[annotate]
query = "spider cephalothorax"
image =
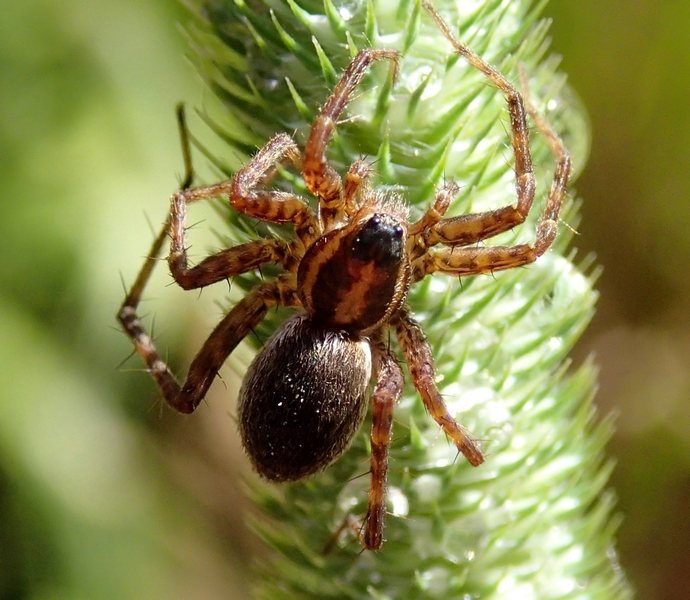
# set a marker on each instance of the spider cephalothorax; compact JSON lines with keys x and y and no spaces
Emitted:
{"x":348,"y":271}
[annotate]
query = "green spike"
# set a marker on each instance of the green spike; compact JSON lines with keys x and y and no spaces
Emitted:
{"x":382,"y":102}
{"x":302,"y":108}
{"x":370,"y":27}
{"x":334,"y":18}
{"x":327,"y":70}
{"x":288,"y":40}
{"x":261,"y":42}
{"x":437,"y":172}
{"x":241,"y":138}
{"x":412,"y":27}
{"x":255,"y":96}
{"x":416,"y":96}
{"x":260,"y":23}
{"x":351,"y":45}
{"x":301,"y":15}
{"x":290,"y":43}
{"x":383,"y":158}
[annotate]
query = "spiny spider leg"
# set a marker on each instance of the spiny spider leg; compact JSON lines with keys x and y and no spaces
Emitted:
{"x":469,"y":229}
{"x":512,"y":215}
{"x":127,"y":314}
{"x":420,"y":362}
{"x":389,"y":386}
{"x":230,"y":262}
{"x":320,"y":178}
{"x":563,"y":162}
{"x":240,"y":321}
{"x":268,"y":205}
{"x":416,"y":244}
{"x":134,"y":295}
{"x":234,"y":326}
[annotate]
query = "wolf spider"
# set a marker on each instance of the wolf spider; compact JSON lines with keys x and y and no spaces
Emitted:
{"x":348,"y":270}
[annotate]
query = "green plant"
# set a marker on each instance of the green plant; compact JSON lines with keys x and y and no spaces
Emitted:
{"x":534,"y":521}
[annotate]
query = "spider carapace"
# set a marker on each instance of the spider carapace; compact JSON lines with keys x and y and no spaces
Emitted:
{"x":347,"y":271}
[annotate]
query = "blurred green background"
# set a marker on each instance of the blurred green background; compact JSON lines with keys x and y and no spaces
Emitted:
{"x":105,"y":495}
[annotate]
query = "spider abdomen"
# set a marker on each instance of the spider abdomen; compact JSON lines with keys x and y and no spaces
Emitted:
{"x":303,"y":398}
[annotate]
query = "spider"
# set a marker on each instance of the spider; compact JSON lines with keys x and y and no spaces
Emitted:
{"x":348,"y":270}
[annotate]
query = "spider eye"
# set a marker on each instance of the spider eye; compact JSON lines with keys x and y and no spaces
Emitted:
{"x":381,"y":240}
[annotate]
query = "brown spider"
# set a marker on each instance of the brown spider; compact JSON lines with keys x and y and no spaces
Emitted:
{"x":348,"y":269}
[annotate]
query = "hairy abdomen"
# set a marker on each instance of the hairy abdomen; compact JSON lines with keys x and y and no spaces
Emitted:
{"x":302,"y":400}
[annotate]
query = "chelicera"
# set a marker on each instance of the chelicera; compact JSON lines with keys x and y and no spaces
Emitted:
{"x":347,"y":271}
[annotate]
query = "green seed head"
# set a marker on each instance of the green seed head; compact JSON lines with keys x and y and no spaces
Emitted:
{"x":533,"y":521}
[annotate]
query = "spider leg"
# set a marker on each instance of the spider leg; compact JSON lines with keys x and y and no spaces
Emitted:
{"x":524,"y":175}
{"x":420,"y":362}
{"x":267,"y":205}
{"x":558,"y":149}
{"x":242,"y":258}
{"x":230,"y":262}
{"x":232,"y":329}
{"x":454,"y":260}
{"x":320,"y":178}
{"x":389,"y":386}
{"x":470,"y":229}
{"x":476,"y":261}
